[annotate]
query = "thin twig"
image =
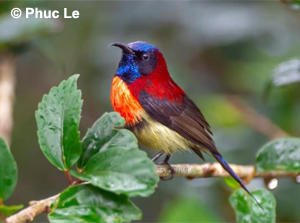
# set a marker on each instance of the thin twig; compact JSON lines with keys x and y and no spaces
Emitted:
{"x":182,"y":170}
{"x":260,"y":123}
{"x":7,"y":89}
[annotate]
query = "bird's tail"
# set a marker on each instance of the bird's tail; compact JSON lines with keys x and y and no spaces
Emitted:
{"x":226,"y":167}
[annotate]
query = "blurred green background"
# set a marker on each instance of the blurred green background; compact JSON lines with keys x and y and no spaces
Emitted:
{"x":213,"y":49}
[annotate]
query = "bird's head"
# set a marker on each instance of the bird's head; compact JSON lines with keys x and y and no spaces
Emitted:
{"x":139,"y":59}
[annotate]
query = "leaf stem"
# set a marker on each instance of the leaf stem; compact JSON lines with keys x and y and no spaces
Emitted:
{"x":69,"y":177}
{"x":77,"y":181}
{"x":1,"y":215}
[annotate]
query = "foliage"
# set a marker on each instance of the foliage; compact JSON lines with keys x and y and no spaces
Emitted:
{"x":98,"y":136}
{"x":278,"y":155}
{"x":9,"y":210}
{"x":108,"y":157}
{"x":247,"y":210}
{"x":8,"y":179}
{"x":114,"y":163}
{"x":86,"y":203}
{"x":281,"y":154}
{"x":230,"y":182}
{"x":8,"y":171}
{"x":58,"y":119}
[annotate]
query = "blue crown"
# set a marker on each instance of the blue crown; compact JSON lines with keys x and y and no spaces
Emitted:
{"x":141,"y":46}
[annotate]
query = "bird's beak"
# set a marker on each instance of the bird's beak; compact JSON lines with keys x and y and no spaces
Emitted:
{"x":124,"y":47}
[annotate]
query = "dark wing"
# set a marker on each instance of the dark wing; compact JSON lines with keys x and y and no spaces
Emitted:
{"x":185,"y":118}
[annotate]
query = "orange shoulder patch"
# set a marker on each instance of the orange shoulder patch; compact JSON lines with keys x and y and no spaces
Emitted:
{"x":124,"y":102}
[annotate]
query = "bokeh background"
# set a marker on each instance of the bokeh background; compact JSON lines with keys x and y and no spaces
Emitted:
{"x":214,"y":49}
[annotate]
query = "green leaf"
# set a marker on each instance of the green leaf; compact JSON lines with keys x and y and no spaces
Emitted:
{"x":99,"y":136}
{"x":114,"y":162}
{"x":248,"y":211}
{"x":121,"y":167}
{"x":58,"y":118}
{"x":230,"y":182}
{"x":281,"y":154}
{"x":9,"y":210}
{"x":86,"y":203}
{"x":8,"y":171}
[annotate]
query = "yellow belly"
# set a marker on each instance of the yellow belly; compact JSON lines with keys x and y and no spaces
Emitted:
{"x":159,"y":137}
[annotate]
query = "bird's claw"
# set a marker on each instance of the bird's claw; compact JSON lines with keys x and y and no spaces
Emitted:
{"x":169,"y":168}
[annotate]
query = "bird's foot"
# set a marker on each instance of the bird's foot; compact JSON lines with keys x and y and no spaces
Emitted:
{"x":169,"y":168}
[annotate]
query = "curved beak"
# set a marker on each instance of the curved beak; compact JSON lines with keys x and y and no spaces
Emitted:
{"x":124,"y":47}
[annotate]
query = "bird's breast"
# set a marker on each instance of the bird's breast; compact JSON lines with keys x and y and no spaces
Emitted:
{"x":124,"y":102}
{"x":157,"y":136}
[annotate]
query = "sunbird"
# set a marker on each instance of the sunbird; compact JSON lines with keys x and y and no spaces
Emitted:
{"x":157,"y":110}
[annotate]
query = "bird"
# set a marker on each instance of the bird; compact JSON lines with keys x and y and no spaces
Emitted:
{"x":157,"y":110}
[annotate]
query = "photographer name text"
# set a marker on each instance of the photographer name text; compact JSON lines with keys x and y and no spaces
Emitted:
{"x":44,"y":14}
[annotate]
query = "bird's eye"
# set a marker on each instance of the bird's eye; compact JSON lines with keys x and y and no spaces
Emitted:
{"x":145,"y":57}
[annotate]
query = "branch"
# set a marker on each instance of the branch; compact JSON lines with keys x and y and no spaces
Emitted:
{"x":206,"y":170}
{"x":7,"y":88}
{"x":260,"y":123}
{"x":189,"y":171}
{"x":29,"y":213}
